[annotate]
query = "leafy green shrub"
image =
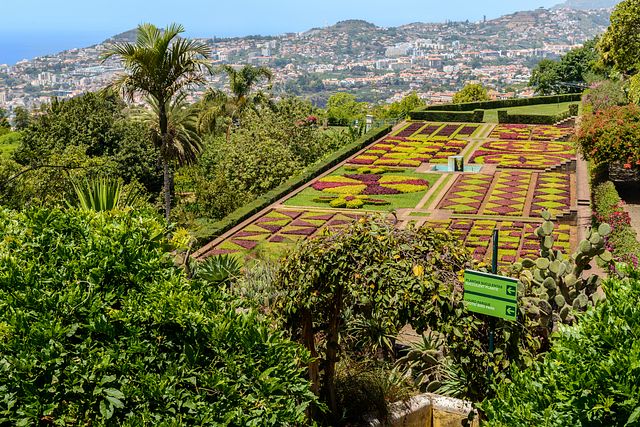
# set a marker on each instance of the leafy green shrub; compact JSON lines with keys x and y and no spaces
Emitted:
{"x":608,"y":208}
{"x":98,"y":327}
{"x":591,"y":376}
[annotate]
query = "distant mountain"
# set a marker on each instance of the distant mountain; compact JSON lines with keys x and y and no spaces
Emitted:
{"x":127,"y":36}
{"x":588,"y":4}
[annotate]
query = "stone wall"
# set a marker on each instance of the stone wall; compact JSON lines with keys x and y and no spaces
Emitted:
{"x":430,"y":410}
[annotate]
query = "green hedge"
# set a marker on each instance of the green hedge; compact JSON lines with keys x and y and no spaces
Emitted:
{"x":216,"y":229}
{"x":537,"y":119}
{"x":448,"y":116}
{"x":504,"y":103}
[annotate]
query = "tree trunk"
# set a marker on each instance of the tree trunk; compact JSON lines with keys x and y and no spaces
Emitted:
{"x":309,"y":341}
{"x":329,"y":387}
{"x":164,"y":131}
{"x":167,"y":189}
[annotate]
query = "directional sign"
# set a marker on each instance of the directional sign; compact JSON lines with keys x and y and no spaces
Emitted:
{"x":490,"y":294}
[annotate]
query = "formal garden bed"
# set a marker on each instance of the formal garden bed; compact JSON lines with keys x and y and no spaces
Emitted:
{"x":387,"y":176}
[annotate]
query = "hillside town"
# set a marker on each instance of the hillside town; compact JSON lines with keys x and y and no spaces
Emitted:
{"x":377,"y":64}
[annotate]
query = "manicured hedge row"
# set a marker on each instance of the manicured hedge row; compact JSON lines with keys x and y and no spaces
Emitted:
{"x":504,"y":103}
{"x":448,"y":116}
{"x":290,"y":185}
{"x":536,"y":119}
{"x":608,"y":207}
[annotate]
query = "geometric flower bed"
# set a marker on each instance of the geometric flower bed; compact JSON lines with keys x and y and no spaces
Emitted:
{"x":393,"y":151}
{"x":516,"y":239}
{"x":467,"y":193}
{"x":519,"y":161}
{"x":374,"y":188}
{"x":509,"y":195}
{"x":281,"y":227}
{"x":437,"y":131}
{"x":523,"y":154}
{"x":410,"y":129}
{"x":511,"y":131}
{"x":552,"y":192}
{"x":351,"y":190}
{"x":534,"y":132}
{"x":550,"y":133}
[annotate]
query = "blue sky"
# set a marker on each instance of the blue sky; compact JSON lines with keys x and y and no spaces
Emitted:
{"x":33,"y":27}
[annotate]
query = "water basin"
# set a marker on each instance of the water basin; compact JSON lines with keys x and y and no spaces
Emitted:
{"x":467,"y":168}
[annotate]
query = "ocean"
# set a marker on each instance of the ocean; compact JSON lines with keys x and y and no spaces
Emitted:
{"x":15,"y":46}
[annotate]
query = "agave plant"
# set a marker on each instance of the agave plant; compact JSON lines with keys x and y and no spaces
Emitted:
{"x":101,"y":194}
{"x":218,"y":269}
{"x":423,"y":362}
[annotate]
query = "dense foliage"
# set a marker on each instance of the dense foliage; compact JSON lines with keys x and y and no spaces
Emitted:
{"x":472,"y":92}
{"x":98,"y":327}
{"x":569,"y":74}
{"x":89,"y":135}
{"x":233,"y":173}
{"x":620,"y":45}
{"x":611,"y":135}
{"x":400,"y":109}
{"x":591,"y":376}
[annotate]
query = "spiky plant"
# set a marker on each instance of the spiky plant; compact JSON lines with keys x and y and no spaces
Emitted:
{"x":101,"y":194}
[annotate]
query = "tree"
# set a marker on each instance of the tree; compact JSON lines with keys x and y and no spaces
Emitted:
{"x":5,"y":126}
{"x":545,"y":77}
{"x":95,"y":123}
{"x":634,"y":89}
{"x":373,"y":270}
{"x":620,"y":44}
{"x":220,"y":105}
{"x":569,"y":75}
{"x":183,"y":143}
{"x":231,"y":173}
{"x":22,"y":118}
{"x":161,"y":66}
{"x":472,"y":92}
{"x":400,"y":109}
{"x":343,"y":108}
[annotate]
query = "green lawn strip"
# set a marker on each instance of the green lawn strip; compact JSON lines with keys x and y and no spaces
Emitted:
{"x":307,"y":197}
{"x":445,"y":182}
{"x":491,"y":116}
{"x":420,"y":214}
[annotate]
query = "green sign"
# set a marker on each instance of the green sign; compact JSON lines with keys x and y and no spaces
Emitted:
{"x":491,"y":294}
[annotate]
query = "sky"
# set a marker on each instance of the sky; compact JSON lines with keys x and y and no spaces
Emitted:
{"x":38,"y":27}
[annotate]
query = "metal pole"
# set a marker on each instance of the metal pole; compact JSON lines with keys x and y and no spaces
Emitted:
{"x":492,"y":323}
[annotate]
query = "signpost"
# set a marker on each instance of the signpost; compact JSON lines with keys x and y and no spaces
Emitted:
{"x":490,"y":294}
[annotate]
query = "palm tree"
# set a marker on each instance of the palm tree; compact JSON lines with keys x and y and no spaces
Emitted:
{"x":220,"y":105}
{"x":161,"y":66}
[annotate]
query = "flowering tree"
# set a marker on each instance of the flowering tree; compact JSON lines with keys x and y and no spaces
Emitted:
{"x":611,"y":135}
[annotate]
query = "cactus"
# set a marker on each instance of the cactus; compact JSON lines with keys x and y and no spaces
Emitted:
{"x":555,"y":285}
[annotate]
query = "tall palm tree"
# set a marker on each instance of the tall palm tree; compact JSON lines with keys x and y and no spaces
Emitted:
{"x":160,"y":66}
{"x":219,"y":105}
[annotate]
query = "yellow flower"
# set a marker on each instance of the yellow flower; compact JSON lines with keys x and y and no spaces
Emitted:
{"x":418,"y":270}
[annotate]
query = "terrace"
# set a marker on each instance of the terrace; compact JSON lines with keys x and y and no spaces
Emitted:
{"x":516,"y":172}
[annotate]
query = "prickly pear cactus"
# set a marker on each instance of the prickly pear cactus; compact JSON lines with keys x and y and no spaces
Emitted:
{"x":555,"y":285}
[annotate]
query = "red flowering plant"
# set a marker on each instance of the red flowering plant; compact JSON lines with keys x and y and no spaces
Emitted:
{"x":611,"y":135}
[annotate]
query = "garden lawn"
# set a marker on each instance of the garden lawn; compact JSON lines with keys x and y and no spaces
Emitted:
{"x":309,"y":197}
{"x":491,"y":116}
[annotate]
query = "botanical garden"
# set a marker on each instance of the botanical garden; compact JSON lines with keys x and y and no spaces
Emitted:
{"x":250,"y":259}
